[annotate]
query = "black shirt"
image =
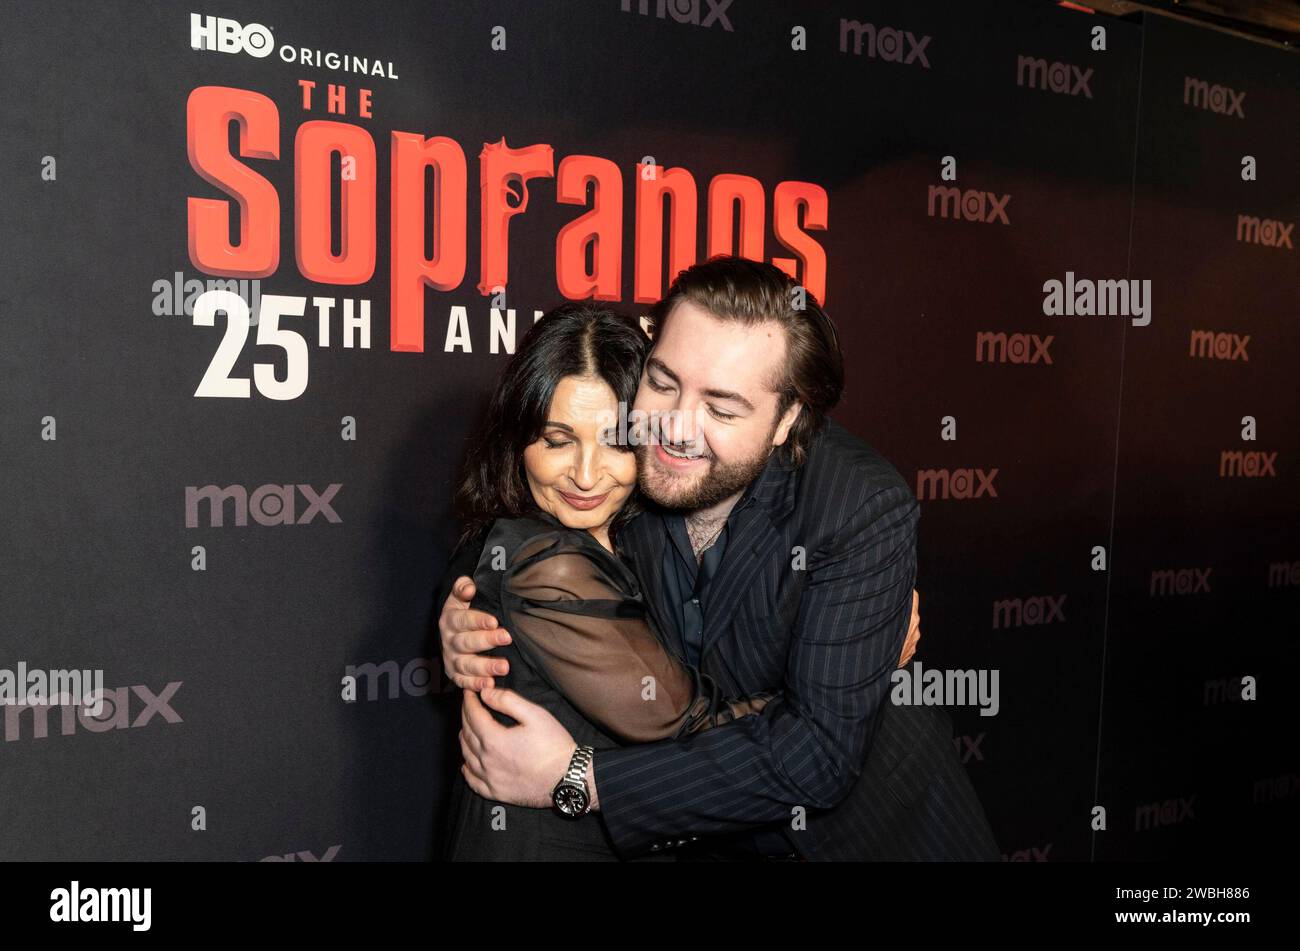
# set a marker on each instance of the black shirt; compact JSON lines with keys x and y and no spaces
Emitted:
{"x":686,"y":580}
{"x":686,"y":593}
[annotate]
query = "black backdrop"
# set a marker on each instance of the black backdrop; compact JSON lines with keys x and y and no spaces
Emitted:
{"x":1124,"y":694}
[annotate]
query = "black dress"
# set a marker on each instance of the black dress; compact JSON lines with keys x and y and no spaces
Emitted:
{"x":582,"y":646}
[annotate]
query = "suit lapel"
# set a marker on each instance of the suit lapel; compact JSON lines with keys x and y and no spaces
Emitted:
{"x":751,"y":537}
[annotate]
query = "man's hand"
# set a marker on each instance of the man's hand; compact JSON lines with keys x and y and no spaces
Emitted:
{"x":464,"y":633}
{"x":913,"y":631}
{"x":519,"y":764}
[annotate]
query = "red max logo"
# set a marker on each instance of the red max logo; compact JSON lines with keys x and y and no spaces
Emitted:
{"x":733,"y":202}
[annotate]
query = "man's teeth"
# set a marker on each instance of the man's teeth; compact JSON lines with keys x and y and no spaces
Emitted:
{"x":680,"y":455}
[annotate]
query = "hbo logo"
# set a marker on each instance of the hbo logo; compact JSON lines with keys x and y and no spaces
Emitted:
{"x":218,"y":33}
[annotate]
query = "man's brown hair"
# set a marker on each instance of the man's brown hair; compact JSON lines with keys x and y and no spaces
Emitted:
{"x":752,"y":292}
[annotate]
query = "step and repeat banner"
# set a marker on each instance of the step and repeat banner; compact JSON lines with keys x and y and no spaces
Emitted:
{"x":263,"y":260}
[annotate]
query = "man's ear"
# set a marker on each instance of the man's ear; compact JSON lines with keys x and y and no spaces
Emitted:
{"x":787,"y":422}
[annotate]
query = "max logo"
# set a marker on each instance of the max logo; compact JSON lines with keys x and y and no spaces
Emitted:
{"x":1064,"y":78}
{"x":1031,"y":854}
{"x":1180,"y":581}
{"x":115,"y":713}
{"x":1219,"y":99}
{"x":970,"y":205}
{"x":684,"y":11}
{"x":1028,"y":612}
{"x":1167,"y":813}
{"x":886,"y":43}
{"x":955,"y":483}
{"x":1219,"y":346}
{"x":993,"y":347}
{"x":1251,"y":465}
{"x":270,"y":504}
{"x":1266,"y":231}
{"x":968,"y":747}
{"x":332,"y":851}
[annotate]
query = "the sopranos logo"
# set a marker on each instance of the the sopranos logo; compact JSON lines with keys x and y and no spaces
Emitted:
{"x":432,"y":179}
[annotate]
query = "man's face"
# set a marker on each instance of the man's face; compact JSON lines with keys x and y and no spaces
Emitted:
{"x":710,"y":384}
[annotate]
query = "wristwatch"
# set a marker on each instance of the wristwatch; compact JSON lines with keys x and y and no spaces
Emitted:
{"x":570,"y":794}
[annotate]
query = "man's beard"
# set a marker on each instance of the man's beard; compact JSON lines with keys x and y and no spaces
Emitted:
{"x":721,"y":480}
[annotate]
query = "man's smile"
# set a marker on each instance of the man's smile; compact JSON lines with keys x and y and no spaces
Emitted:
{"x":677,"y":458}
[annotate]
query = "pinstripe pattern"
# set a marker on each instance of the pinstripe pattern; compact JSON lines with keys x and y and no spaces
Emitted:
{"x":827,"y":637}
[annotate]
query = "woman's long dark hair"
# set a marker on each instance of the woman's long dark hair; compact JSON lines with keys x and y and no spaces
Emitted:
{"x":578,"y":339}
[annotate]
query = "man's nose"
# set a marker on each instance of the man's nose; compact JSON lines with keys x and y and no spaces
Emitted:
{"x":680,"y":425}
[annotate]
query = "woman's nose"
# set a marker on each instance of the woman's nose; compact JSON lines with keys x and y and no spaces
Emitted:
{"x":586,"y":470}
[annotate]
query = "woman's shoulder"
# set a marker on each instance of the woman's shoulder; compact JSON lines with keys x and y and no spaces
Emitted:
{"x":513,"y":539}
{"x":529,"y":550}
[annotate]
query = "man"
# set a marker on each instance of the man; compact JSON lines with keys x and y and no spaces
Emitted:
{"x":781,"y":557}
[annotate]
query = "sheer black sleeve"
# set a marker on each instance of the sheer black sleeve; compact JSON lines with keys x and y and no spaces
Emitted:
{"x":573,"y":615}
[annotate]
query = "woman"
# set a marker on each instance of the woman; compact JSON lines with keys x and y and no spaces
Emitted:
{"x":544,"y":493}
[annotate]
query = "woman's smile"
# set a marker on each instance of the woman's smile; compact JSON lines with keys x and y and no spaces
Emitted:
{"x":583,"y":502}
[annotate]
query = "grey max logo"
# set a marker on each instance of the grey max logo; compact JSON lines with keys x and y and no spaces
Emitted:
{"x":968,"y":747}
{"x":1282,"y":574}
{"x":1199,"y":94}
{"x":115,"y":714}
{"x":991,"y":347}
{"x":945,"y":201}
{"x":885,"y":43}
{"x":1219,"y":346}
{"x":1223,"y":690}
{"x":270,"y":504}
{"x":1280,"y":787}
{"x":416,"y":679}
{"x":1028,"y":612}
{"x":1265,"y":231}
{"x":1167,"y":813}
{"x":1031,"y":854}
{"x":684,"y":11}
{"x":1255,"y":464}
{"x":305,"y":856}
{"x":955,"y":483}
{"x":1180,"y":581}
{"x":1064,"y":78}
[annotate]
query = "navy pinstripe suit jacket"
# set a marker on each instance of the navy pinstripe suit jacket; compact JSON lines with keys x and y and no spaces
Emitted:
{"x":812,"y":599}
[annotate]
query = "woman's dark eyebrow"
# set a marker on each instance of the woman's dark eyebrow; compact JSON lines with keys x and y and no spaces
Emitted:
{"x":552,"y":424}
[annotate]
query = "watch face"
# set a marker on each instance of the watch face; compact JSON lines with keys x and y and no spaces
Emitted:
{"x":570,"y":800}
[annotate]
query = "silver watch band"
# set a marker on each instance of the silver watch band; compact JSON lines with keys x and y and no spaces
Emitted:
{"x":579,"y":764}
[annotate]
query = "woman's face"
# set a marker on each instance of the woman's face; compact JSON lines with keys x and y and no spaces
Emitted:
{"x":572,"y":475}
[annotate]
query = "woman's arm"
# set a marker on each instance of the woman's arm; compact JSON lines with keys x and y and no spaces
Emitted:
{"x":571,"y":616}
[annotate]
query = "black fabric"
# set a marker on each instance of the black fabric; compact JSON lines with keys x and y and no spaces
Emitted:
{"x":846,"y":774}
{"x":582,"y":648}
{"x":686,"y":583}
